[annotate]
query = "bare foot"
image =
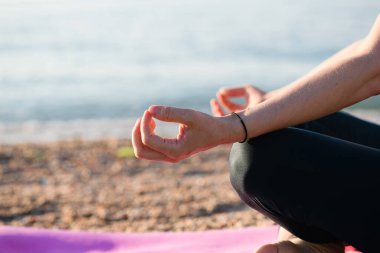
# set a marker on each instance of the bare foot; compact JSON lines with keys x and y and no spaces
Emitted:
{"x":288,"y":243}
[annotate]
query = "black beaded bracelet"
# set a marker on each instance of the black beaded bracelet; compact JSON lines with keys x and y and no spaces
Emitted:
{"x":245,"y":128}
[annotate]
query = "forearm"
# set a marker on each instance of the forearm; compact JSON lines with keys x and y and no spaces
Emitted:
{"x":371,"y":42}
{"x":339,"y":55}
{"x":348,"y":77}
{"x":305,"y":100}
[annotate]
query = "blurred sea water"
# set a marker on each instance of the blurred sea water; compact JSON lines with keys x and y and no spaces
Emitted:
{"x":87,"y":69}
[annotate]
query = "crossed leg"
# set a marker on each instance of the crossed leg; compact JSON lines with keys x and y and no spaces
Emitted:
{"x":295,"y":175}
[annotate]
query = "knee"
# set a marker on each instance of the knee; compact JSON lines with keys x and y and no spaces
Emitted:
{"x":251,"y":164}
{"x":240,"y":165}
{"x":255,"y":164}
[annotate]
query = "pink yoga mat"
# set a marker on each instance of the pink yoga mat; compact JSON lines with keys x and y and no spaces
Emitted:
{"x":31,"y":240}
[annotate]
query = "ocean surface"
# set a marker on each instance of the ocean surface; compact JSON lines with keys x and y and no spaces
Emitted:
{"x":88,"y":68}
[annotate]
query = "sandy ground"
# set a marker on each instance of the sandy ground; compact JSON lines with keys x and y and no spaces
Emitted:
{"x":85,"y":185}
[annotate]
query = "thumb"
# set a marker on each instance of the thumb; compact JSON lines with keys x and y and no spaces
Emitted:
{"x":171,"y":114}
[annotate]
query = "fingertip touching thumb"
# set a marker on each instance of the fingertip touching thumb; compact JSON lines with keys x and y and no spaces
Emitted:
{"x":169,"y":114}
{"x":155,"y":110}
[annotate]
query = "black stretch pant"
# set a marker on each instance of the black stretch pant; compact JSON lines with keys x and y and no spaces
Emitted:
{"x":319,"y":180}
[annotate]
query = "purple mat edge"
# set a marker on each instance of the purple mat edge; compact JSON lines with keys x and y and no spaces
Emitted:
{"x":33,"y":240}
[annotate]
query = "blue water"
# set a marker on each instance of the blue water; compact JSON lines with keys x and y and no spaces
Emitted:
{"x":67,"y":61}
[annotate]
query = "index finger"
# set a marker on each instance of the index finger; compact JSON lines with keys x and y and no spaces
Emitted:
{"x":233,"y":92}
{"x":231,"y":105}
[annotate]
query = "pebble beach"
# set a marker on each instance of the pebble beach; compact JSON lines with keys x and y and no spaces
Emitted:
{"x":101,"y":186}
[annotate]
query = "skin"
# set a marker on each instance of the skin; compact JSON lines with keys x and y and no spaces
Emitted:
{"x":348,"y":77}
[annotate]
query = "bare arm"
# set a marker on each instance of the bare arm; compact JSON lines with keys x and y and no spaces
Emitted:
{"x":350,"y":76}
{"x":370,"y":45}
{"x":341,"y":54}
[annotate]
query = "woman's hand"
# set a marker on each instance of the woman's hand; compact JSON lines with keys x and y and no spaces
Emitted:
{"x":251,"y":95}
{"x":197,"y":132}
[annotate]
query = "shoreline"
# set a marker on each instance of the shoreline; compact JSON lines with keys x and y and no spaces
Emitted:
{"x":99,"y":129}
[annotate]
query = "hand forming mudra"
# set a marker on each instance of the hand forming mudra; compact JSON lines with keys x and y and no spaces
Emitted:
{"x":197,"y":131}
{"x":252,"y":96}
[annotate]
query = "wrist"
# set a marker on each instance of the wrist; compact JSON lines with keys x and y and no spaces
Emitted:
{"x":232,"y":129}
{"x":243,"y":125}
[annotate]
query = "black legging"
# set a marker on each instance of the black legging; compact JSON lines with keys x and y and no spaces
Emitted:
{"x":319,"y":180}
